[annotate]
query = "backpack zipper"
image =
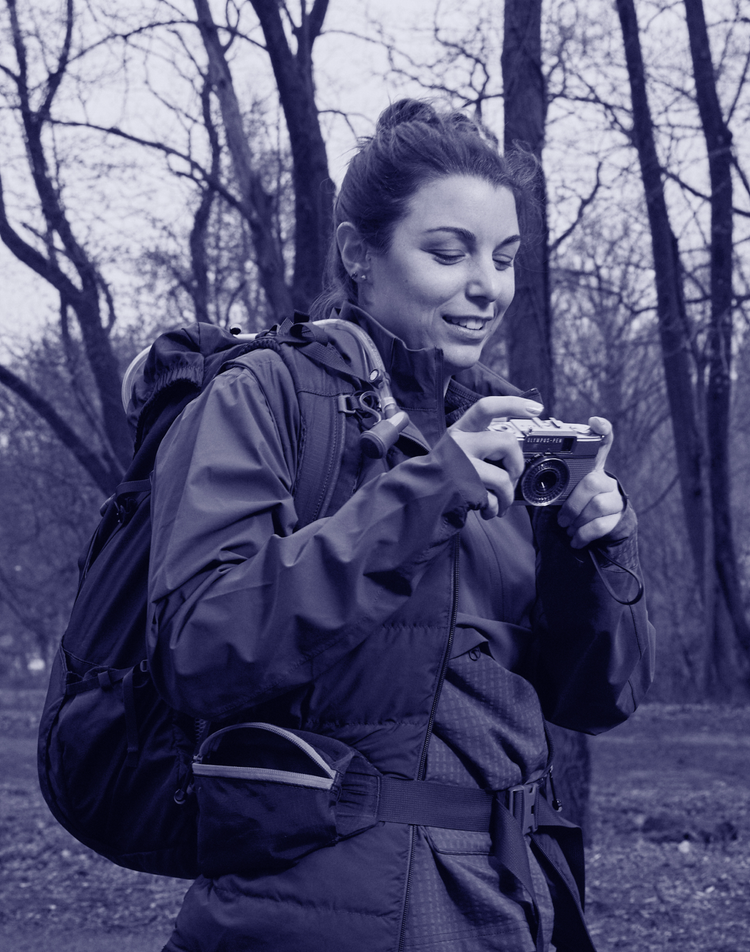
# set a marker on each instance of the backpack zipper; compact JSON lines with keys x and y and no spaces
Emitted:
{"x":430,"y":724}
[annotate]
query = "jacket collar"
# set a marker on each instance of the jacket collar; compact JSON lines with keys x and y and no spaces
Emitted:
{"x":417,"y":378}
{"x":416,"y":375}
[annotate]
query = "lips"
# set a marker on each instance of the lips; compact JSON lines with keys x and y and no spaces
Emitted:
{"x":470,"y":323}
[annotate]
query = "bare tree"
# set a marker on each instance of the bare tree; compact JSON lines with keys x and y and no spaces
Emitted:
{"x":701,"y":450}
{"x":718,"y":396}
{"x":313,"y":188}
{"x":256,"y":203}
{"x":60,"y":259}
{"x":671,"y":310}
{"x":528,"y":320}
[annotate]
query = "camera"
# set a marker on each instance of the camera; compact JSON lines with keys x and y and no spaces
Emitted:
{"x":558,"y":456}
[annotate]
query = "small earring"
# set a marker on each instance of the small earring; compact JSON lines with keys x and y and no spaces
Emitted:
{"x":354,"y":275}
{"x":363,"y":276}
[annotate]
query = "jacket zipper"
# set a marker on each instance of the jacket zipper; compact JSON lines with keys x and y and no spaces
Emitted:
{"x":446,"y":659}
{"x":430,"y":724}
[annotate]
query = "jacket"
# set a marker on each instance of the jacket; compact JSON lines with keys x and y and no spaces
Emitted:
{"x":350,"y":628}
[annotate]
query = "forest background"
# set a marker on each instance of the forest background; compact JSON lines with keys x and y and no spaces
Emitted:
{"x":166,"y":162}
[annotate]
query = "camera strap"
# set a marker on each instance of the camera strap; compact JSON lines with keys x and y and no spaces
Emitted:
{"x":608,"y":560}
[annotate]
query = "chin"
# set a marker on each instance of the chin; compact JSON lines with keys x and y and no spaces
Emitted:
{"x":455,"y":363}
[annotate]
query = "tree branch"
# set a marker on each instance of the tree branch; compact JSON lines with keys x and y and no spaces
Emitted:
{"x":105,"y":475}
{"x":582,"y":206}
{"x":207,"y":177}
{"x":33,"y":259}
{"x":55,"y":78}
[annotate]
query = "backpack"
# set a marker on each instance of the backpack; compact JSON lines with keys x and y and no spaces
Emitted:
{"x":114,"y":759}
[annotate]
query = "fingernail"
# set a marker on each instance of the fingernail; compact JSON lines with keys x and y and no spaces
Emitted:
{"x":534,"y":407}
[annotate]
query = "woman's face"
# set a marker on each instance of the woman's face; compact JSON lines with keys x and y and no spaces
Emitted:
{"x":447,"y":277}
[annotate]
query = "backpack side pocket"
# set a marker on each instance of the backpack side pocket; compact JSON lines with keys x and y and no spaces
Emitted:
{"x":268,"y":796}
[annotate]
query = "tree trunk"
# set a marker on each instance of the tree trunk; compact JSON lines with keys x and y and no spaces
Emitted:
{"x":313,"y":188}
{"x":256,"y":204}
{"x":718,"y":396}
{"x":199,"y":285}
{"x":672,"y":315}
{"x":572,"y":776}
{"x":528,"y":320}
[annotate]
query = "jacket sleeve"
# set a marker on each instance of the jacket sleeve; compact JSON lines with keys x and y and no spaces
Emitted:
{"x":596,"y":656}
{"x":243,"y":608}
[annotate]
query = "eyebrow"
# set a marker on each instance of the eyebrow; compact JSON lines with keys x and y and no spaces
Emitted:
{"x":470,"y":237}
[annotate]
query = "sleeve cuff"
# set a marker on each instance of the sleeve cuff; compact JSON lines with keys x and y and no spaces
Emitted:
{"x":458,"y":467}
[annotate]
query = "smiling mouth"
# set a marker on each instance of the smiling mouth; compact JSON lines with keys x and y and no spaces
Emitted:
{"x":470,"y":323}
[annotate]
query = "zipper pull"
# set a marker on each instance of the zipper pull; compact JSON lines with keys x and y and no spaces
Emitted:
{"x":556,"y":804}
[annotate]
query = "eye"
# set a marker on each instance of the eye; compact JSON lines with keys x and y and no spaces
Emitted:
{"x":502,"y":264}
{"x":447,"y":257}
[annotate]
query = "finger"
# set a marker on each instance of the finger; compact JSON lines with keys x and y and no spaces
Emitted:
{"x":484,"y":411}
{"x":491,"y":509}
{"x":501,"y":488}
{"x":509,"y":457}
{"x":500,"y":448}
{"x":598,"y":518}
{"x":595,"y":530}
{"x":603,"y":428}
{"x":599,"y":506}
{"x":592,"y":485}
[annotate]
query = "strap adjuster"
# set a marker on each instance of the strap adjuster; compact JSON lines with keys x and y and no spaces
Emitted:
{"x":521,"y":801}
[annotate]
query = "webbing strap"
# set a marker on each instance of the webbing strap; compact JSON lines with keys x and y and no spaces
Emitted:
{"x":510,"y":851}
{"x":131,"y":719}
{"x":321,"y":451}
{"x":101,"y":679}
{"x":134,"y":486}
{"x":434,"y":804}
{"x":506,"y":814}
{"x":558,"y":846}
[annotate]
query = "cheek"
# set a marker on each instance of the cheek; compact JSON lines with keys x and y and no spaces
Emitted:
{"x":436,"y":290}
{"x":507,"y":292}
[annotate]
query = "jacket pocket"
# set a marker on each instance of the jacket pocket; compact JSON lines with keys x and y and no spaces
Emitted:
{"x":268,"y":796}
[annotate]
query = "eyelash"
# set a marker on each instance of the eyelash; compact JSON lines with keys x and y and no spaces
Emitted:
{"x":452,"y":258}
{"x":448,"y":257}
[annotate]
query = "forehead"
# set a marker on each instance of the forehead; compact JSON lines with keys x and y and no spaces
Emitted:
{"x":463,"y":202}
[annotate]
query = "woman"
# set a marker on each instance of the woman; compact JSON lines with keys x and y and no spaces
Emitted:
{"x":427,"y":623}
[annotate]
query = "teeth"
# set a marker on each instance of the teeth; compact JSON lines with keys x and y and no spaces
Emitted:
{"x":470,"y":323}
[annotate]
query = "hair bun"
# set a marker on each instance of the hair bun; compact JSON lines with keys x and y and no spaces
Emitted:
{"x":407,"y":110}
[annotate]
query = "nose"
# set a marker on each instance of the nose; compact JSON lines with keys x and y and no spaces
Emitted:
{"x":486,"y":283}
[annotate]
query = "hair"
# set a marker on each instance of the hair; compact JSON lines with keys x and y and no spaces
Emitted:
{"x":414,"y":145}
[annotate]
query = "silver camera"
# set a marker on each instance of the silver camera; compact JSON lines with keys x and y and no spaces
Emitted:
{"x":558,"y":456}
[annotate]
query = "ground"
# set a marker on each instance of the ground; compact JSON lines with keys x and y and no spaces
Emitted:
{"x":668,"y":869}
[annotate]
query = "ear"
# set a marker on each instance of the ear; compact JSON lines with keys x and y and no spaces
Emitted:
{"x":352,"y":247}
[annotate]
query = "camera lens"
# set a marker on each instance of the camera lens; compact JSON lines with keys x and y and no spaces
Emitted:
{"x":544,"y":481}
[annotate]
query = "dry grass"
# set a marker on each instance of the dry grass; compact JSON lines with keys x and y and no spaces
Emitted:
{"x":670,"y":865}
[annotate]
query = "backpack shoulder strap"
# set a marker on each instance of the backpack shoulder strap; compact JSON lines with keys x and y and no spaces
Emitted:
{"x":347,"y":408}
{"x":322,"y":381}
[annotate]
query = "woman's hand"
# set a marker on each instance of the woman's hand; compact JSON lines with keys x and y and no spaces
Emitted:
{"x":594,"y":507}
{"x":502,"y":448}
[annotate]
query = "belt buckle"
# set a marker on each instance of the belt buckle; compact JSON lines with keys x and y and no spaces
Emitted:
{"x":522,"y":804}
